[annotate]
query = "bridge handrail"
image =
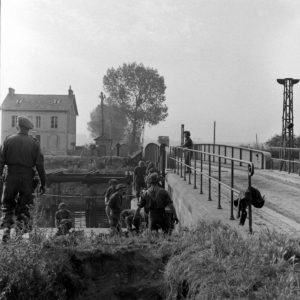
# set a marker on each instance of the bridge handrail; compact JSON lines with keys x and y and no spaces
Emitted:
{"x":287,"y":148}
{"x":240,"y":149}
{"x":216,"y":155}
{"x":177,"y":154}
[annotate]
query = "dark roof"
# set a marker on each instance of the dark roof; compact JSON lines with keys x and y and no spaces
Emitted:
{"x":39,"y":102}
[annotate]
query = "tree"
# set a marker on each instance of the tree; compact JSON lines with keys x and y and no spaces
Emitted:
{"x":140,"y":92}
{"x":115,"y":122}
{"x":276,"y":141}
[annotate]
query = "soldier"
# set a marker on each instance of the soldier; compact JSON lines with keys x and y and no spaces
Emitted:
{"x":63,"y":219}
{"x":127,"y":216}
{"x":21,"y":153}
{"x":139,"y":178}
{"x":155,"y":200}
{"x":188,"y":143}
{"x":110,"y":190}
{"x":23,"y":221}
{"x":115,"y":202}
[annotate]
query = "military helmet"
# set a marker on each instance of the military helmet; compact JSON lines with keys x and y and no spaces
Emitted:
{"x":120,"y":187}
{"x":112,"y":181}
{"x":62,"y":205}
{"x":153,"y":178}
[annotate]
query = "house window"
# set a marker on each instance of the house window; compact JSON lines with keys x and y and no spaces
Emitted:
{"x":14,"y":120}
{"x":54,"y":122}
{"x":38,"y":121}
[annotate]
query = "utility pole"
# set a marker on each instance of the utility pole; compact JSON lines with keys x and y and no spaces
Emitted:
{"x":214,"y":133}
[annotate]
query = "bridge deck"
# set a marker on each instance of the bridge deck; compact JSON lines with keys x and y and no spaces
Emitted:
{"x":281,"y":190}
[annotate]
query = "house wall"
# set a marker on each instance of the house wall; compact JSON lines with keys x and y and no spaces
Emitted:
{"x":71,"y":142}
{"x":53,"y":140}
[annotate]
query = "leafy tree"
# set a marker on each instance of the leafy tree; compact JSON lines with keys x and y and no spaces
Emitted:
{"x":115,"y":122}
{"x":140,"y":92}
{"x":275,"y":141}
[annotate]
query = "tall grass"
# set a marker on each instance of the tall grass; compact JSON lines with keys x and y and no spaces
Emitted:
{"x":220,"y":264}
{"x":211,"y":261}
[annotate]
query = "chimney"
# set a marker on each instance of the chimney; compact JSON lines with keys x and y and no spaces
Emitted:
{"x":11,"y":91}
{"x":70,"y":91}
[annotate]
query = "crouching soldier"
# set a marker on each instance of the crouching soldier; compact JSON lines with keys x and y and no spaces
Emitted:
{"x":63,"y":219}
{"x":155,"y":200}
{"x":115,"y":202}
{"x":127,"y":216}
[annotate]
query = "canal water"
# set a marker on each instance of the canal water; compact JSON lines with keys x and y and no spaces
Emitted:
{"x":87,"y":211}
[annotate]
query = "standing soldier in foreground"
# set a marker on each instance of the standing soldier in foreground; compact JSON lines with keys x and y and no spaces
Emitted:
{"x":21,"y":153}
{"x":156,"y":199}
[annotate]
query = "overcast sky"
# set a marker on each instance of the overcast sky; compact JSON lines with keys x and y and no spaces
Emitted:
{"x":220,"y":59}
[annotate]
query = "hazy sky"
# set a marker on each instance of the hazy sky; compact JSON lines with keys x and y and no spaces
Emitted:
{"x":220,"y":59}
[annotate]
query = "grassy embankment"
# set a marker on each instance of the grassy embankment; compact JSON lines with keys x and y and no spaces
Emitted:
{"x":210,"y":262}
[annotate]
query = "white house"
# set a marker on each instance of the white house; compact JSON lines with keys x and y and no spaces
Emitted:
{"x":53,"y":116}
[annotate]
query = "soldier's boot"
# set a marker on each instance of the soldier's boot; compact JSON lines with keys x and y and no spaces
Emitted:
{"x":6,"y":235}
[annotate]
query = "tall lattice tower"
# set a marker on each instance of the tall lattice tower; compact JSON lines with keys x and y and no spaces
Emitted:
{"x":287,"y":139}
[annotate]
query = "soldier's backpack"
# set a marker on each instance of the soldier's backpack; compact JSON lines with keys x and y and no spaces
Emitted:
{"x":250,"y":196}
{"x":255,"y":196}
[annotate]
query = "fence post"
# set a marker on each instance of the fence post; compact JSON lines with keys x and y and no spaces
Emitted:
{"x":219,"y":184}
{"x":184,"y":168}
{"x":241,"y":155}
{"x":225,"y":154}
{"x":181,"y":162}
{"x":232,"y":187}
{"x":195,"y":173}
{"x":209,"y":177}
{"x":201,"y":170}
{"x":177,"y":160}
{"x":250,"y":173}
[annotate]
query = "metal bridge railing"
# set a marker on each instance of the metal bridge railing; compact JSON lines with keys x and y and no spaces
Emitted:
{"x":285,"y":159}
{"x":205,"y":168}
{"x":290,"y":166}
{"x":258,"y":157}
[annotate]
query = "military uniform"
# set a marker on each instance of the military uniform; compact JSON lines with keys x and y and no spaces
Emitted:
{"x":115,"y":203}
{"x":21,"y":153}
{"x":127,"y":215}
{"x":110,"y":190}
{"x":188,"y":154}
{"x":139,"y":178}
{"x":63,"y":219}
{"x":155,"y":200}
